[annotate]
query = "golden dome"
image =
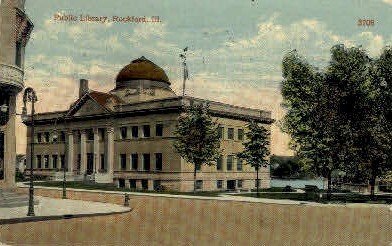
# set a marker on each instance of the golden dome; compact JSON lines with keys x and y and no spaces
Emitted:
{"x":142,"y":69}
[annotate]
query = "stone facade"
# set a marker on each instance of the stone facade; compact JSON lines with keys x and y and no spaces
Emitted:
{"x":15,"y":28}
{"x":126,"y":137}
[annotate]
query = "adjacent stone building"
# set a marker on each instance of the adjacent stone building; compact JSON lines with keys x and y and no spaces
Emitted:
{"x":15,"y":28}
{"x":126,"y":136}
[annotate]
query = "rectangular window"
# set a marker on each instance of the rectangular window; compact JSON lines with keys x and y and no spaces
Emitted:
{"x":239,"y":183}
{"x":145,"y":184}
{"x":230,"y":162}
{"x":121,"y":183}
{"x":62,"y":136}
{"x":239,"y":164}
{"x":134,"y":161}
{"x":39,"y":137}
{"x":219,"y":163}
{"x":46,"y":161}
{"x":230,"y":133}
{"x":157,"y":184}
{"x":62,"y":161}
{"x":46,"y":136}
{"x":219,"y":184}
{"x":146,"y":162}
{"x":79,"y":162}
{"x":240,"y":134}
{"x":102,"y":162}
{"x":132,"y":183}
{"x":39,"y":161}
{"x":18,"y":54}
{"x":158,"y":161}
{"x":90,"y":134}
{"x":199,"y":184}
{"x":54,"y":161}
{"x":146,"y":131}
{"x":221,"y":132}
{"x":123,"y":161}
{"x":159,"y":130}
{"x":135,"y":131}
{"x":123,"y":132}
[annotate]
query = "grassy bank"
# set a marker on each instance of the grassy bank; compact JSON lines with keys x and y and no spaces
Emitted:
{"x":112,"y":187}
{"x":313,"y":197}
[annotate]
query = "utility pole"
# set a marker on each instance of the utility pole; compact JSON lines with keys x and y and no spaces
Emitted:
{"x":185,"y":69}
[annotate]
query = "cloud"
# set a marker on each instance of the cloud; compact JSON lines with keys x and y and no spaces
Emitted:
{"x":212,"y":87}
{"x":387,"y":2}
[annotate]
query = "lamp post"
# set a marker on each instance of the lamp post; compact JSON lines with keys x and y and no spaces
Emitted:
{"x":30,"y":96}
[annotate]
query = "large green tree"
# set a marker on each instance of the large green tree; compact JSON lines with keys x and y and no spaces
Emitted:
{"x":197,"y":137}
{"x":312,"y":116}
{"x":256,"y":148}
{"x":374,"y":125}
{"x":340,"y":118}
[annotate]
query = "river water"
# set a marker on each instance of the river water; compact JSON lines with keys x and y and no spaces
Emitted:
{"x":297,"y":183}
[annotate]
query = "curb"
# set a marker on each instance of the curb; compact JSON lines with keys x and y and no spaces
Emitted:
{"x":56,"y":217}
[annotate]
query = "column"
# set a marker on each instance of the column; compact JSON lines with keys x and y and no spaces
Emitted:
{"x":70,"y":151}
{"x":117,"y":183}
{"x":10,"y":145}
{"x":109,"y":149}
{"x":127,"y":184}
{"x":96,"y":151}
{"x":138,"y":184}
{"x":83,"y":152}
{"x":150,"y":184}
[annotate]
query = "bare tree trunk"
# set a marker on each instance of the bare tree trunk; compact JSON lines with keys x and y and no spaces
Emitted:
{"x":257,"y":182}
{"x":372,"y":186}
{"x":329,"y":177}
{"x":194,"y":179}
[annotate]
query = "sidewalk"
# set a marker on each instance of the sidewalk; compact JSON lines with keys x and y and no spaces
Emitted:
{"x":223,"y":197}
{"x":50,"y":208}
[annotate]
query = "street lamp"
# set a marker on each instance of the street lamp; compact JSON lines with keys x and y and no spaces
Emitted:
{"x":30,"y":96}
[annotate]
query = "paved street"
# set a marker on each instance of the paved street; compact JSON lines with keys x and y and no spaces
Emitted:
{"x":179,"y":221}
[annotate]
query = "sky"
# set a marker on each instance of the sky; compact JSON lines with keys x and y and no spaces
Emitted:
{"x":235,"y":47}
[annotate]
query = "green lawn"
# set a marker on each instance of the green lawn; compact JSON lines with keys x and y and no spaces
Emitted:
{"x":273,"y":189}
{"x":336,"y":198}
{"x":112,"y":187}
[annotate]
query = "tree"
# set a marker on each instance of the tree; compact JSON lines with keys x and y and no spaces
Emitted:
{"x":197,"y":137}
{"x":340,"y":118}
{"x":312,"y":116}
{"x":256,"y":148}
{"x":374,"y":127}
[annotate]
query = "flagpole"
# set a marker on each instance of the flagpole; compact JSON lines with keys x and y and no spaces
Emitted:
{"x":185,"y":71}
{"x":183,"y":83}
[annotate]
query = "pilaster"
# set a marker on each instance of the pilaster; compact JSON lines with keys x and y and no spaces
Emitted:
{"x":83,"y":152}
{"x":96,"y":150}
{"x":70,"y":151}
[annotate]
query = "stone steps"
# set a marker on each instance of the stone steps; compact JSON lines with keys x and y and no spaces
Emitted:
{"x":9,"y":199}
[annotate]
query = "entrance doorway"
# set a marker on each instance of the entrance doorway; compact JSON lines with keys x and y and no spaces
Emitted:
{"x":90,"y":163}
{"x":2,"y":155}
{"x":231,"y":184}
